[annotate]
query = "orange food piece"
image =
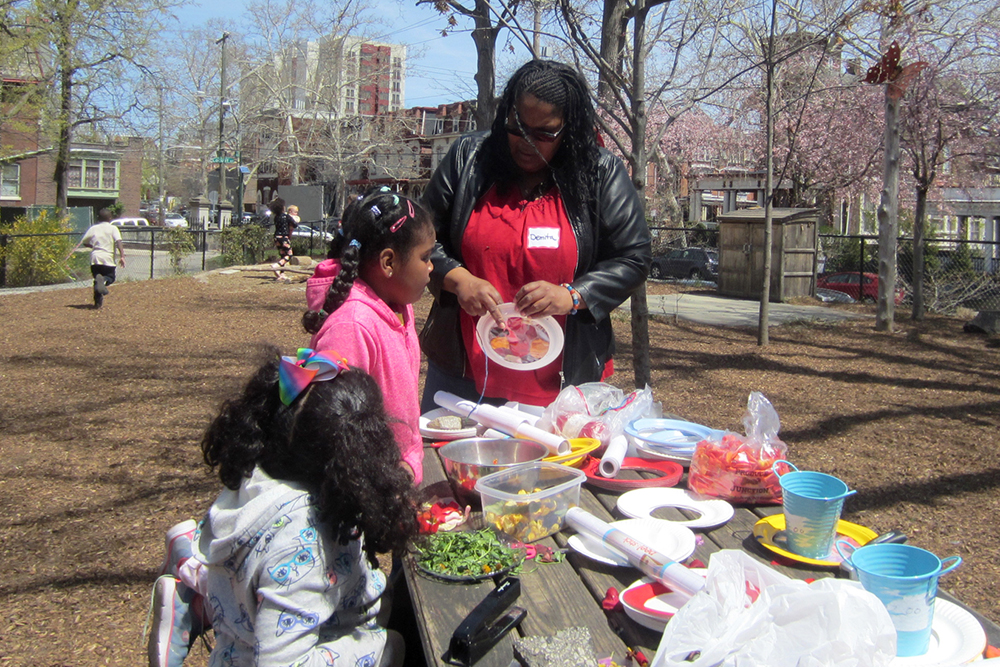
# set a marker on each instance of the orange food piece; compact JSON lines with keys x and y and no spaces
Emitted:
{"x":499,"y":344}
{"x":539,"y":347}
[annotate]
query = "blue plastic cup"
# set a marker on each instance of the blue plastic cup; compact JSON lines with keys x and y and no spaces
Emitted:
{"x":812,"y":502}
{"x":905,"y":579}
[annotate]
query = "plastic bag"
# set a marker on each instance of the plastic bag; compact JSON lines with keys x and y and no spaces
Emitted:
{"x":740,"y":468}
{"x":595,"y":410}
{"x":752,"y":616}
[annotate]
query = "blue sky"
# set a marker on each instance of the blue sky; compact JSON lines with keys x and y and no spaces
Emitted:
{"x":439,"y":70}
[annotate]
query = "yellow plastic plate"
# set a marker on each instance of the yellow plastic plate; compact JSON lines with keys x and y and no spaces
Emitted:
{"x":579,"y":448}
{"x":765,"y":530}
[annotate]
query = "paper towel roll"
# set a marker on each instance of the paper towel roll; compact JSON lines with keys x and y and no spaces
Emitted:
{"x":611,"y":462}
{"x":508,"y":421}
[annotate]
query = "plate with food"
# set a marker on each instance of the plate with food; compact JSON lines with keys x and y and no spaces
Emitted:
{"x":522,"y":343}
{"x":443,"y":424}
{"x":465,"y":556}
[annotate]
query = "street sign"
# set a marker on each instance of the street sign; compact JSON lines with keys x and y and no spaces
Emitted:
{"x":224,"y":160}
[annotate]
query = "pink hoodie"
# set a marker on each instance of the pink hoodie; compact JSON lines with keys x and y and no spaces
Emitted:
{"x":369,"y":334}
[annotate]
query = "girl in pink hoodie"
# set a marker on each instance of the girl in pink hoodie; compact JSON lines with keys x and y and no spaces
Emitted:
{"x":360,"y":303}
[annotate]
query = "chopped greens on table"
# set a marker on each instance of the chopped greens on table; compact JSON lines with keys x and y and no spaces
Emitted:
{"x":474,"y":554}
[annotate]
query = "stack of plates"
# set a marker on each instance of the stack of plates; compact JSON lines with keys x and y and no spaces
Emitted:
{"x":670,"y":439}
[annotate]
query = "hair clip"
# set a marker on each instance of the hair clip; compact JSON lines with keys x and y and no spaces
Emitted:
{"x":395,"y":200}
{"x":308,"y":366}
{"x":376,"y":211}
{"x":396,"y":225}
{"x":385,"y":188}
{"x":409,"y":207}
{"x":354,"y":243}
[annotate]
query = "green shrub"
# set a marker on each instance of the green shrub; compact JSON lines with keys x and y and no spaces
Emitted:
{"x":178,"y":243}
{"x":245,"y":245}
{"x":38,"y":260}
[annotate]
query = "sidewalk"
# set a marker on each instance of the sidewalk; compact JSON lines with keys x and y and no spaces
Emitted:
{"x":728,"y":312}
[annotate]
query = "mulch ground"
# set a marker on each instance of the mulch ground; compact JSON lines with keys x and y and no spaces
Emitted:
{"x":101,"y":413}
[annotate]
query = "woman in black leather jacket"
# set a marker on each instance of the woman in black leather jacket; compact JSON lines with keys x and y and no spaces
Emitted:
{"x":534,"y":213}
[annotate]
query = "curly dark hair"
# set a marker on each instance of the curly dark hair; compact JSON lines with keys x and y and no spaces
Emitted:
{"x":377,"y":220}
{"x":575,"y":162}
{"x":334,"y":438}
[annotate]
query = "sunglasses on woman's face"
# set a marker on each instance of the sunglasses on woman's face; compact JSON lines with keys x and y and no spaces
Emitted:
{"x":541,"y":136}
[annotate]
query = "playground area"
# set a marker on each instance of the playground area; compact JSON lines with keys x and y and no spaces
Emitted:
{"x":101,"y":414}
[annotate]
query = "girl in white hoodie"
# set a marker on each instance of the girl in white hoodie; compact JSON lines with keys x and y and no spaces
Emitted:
{"x":314,"y":489}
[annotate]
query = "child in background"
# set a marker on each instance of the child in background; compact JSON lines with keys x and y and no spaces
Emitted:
{"x":283,"y":227}
{"x":360,"y":302}
{"x":314,"y":490}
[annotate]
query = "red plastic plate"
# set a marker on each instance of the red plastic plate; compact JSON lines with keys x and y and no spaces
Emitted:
{"x":669,"y":473}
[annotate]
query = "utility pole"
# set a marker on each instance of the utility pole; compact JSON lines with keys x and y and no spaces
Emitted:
{"x":222,"y":122}
{"x":160,"y":176}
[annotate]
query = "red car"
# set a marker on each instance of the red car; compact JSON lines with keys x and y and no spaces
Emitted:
{"x":848,"y":283}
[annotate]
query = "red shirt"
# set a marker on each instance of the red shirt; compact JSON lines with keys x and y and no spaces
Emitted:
{"x":510,"y":242}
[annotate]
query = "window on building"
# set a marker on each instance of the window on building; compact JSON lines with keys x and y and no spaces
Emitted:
{"x":349,"y":106}
{"x":74,"y":174}
{"x":109,"y":173}
{"x":10,"y":180}
{"x":93,"y":172}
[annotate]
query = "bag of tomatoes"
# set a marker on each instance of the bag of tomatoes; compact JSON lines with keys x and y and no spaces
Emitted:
{"x":740,"y":468}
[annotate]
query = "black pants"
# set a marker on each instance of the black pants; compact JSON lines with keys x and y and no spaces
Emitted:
{"x":101,"y":270}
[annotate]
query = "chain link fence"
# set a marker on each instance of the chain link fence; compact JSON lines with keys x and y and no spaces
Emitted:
{"x":957,"y":273}
{"x":30,"y":260}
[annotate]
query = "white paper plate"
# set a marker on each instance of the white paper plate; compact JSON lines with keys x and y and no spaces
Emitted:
{"x":547,"y":326}
{"x":647,"y":606}
{"x":957,"y":638}
{"x":441,"y":434}
{"x":674,"y":541}
{"x":668,"y":434}
{"x":640,"y":504}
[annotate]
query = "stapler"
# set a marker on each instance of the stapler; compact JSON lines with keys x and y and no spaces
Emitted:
{"x":486,"y":624}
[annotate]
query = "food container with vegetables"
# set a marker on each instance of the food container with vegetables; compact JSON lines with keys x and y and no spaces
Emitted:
{"x":469,"y":459}
{"x":529,"y":502}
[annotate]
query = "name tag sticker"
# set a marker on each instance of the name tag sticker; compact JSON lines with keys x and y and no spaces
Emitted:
{"x":543,"y":237}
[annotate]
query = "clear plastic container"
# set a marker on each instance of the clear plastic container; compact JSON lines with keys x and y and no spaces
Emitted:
{"x":529,"y":502}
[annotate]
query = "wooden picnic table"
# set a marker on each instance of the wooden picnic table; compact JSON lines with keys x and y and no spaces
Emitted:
{"x":568,"y":594}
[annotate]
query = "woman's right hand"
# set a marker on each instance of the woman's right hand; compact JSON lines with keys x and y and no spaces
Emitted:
{"x":476,"y":296}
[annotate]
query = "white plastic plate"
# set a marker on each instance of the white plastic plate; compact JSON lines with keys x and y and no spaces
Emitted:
{"x":674,"y":541}
{"x":957,"y":638}
{"x":546,"y":327}
{"x":443,"y":434}
{"x":651,"y":604}
{"x":641,"y":503}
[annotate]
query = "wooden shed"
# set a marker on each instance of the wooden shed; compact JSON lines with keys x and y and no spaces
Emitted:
{"x":793,"y":252}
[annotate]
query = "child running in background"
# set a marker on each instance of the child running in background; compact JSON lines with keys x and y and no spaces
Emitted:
{"x":360,"y":302}
{"x":285,"y":557}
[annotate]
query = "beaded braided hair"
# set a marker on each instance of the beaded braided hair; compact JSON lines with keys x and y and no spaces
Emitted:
{"x":575,"y":163}
{"x":377,"y":220}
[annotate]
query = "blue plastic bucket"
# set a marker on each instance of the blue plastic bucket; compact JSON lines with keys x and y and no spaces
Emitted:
{"x":812,"y":502}
{"x":905,"y":579}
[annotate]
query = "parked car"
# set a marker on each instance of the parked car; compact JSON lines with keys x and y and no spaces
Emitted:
{"x":849,"y":282}
{"x":130,"y":223}
{"x":175,"y":220}
{"x":696,"y":263}
{"x":305,"y":231}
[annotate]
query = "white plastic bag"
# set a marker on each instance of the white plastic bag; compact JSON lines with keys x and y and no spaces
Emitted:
{"x":595,"y":410}
{"x":750,"y":615}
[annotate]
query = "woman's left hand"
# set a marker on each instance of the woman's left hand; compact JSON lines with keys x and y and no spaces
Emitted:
{"x":541,"y":298}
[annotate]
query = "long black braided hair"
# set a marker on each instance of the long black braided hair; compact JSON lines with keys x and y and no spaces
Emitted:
{"x":575,"y":162}
{"x":334,"y":438}
{"x":377,"y":220}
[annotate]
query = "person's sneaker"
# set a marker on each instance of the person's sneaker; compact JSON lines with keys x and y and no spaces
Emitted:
{"x":98,"y":299}
{"x":178,"y":546}
{"x":100,"y":285}
{"x":174,"y":625}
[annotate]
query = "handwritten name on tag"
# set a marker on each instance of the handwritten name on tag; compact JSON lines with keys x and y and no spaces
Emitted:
{"x":543,"y":237}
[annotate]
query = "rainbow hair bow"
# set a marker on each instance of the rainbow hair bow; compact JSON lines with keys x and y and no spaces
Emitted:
{"x":296,"y":373}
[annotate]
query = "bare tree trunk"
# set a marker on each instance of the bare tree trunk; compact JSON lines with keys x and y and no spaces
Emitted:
{"x":485,"y":38}
{"x":919,"y":224}
{"x":764,"y":314}
{"x":888,"y":219}
{"x":640,"y":307}
{"x":612,"y":45}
